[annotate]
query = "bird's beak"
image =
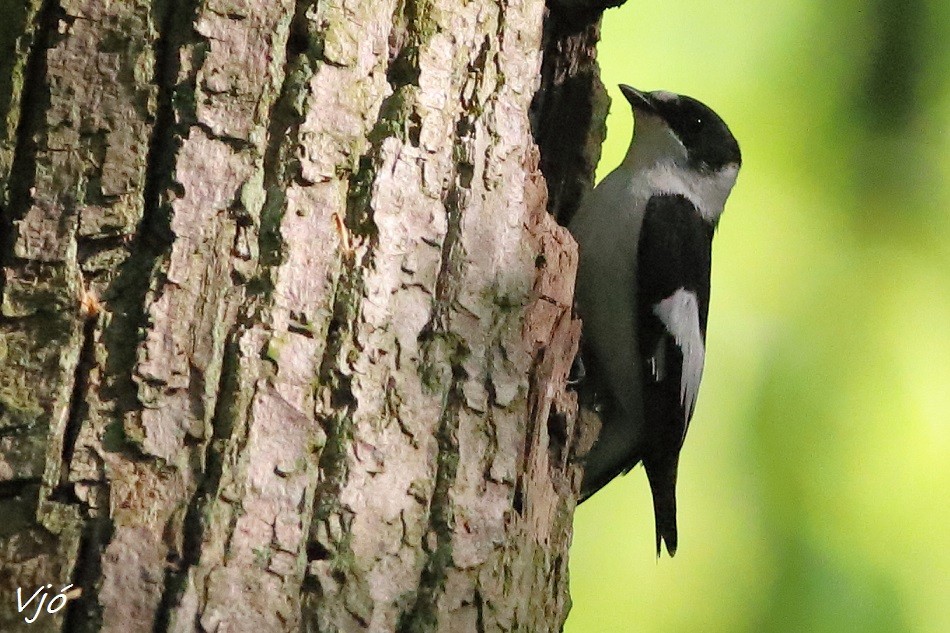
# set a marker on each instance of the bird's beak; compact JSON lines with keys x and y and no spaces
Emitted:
{"x":640,"y":101}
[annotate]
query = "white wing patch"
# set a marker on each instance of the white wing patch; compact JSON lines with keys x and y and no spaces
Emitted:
{"x":680,"y":314}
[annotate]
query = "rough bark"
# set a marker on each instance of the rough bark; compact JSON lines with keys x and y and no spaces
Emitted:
{"x":285,"y":325}
{"x":569,"y":111}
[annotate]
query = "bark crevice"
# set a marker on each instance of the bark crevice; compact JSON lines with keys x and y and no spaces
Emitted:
{"x":173,"y":19}
{"x":77,"y":402}
{"x":34,"y":101}
{"x":443,"y":356}
{"x":423,"y":616}
{"x":281,"y":165}
{"x":85,"y":614}
{"x":570,"y":107}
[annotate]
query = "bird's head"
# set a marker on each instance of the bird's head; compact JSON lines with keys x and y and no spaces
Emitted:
{"x":672,"y":127}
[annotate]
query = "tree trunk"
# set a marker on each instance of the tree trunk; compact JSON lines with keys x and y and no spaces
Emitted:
{"x":285,"y":324}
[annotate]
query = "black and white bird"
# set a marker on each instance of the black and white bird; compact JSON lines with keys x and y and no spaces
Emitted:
{"x":645,"y":238}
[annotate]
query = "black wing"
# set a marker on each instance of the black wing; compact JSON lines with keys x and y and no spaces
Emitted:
{"x":673,"y":264}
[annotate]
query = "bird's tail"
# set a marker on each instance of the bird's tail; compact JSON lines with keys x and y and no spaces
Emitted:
{"x":662,"y":479}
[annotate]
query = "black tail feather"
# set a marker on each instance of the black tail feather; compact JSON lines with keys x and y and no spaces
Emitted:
{"x":662,"y":479}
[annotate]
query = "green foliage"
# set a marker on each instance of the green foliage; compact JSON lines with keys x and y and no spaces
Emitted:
{"x":814,"y":480}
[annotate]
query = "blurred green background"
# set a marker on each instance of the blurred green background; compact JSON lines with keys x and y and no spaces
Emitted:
{"x":814,"y":485}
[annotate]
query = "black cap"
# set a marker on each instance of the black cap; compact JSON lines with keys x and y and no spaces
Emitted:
{"x":709,"y":143}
